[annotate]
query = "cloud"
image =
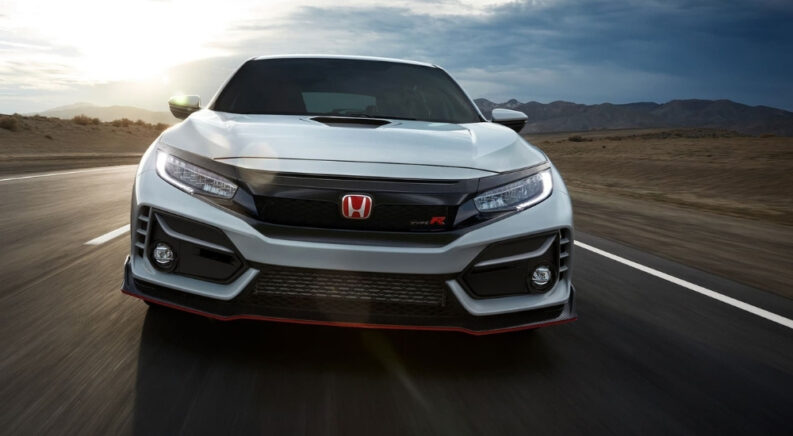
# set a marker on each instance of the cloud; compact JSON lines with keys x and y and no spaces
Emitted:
{"x":584,"y":51}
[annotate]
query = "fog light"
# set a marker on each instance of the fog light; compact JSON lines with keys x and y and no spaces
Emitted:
{"x":163,"y":254}
{"x":541,"y":276}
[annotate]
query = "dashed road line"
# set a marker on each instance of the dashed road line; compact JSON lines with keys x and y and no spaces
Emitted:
{"x":108,"y":236}
{"x":57,"y":173}
{"x":692,"y":287}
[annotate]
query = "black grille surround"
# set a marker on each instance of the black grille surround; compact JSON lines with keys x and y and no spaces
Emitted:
{"x":201,"y":251}
{"x":511,"y":277}
{"x":398,"y":206}
{"x":349,"y":295}
{"x":327,"y":214}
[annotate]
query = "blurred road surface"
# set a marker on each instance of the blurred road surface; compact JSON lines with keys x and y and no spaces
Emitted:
{"x":646,"y":356}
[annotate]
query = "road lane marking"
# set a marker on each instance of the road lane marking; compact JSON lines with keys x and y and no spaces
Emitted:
{"x":59,"y":173}
{"x":108,"y":236}
{"x":691,"y":286}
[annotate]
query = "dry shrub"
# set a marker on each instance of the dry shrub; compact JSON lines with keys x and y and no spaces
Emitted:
{"x":161,"y":126}
{"x":83,"y":120}
{"x":690,"y":133}
{"x":9,"y":123}
{"x":579,"y":138}
{"x":124,"y":122}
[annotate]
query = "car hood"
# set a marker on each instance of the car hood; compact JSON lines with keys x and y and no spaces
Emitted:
{"x":253,"y":140}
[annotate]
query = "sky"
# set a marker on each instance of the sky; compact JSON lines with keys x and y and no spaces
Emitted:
{"x":139,"y":53}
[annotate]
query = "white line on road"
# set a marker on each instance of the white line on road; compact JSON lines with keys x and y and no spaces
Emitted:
{"x":58,"y":173}
{"x":690,"y":286}
{"x":108,"y":236}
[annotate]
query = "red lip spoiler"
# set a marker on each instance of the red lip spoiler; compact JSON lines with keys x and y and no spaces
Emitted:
{"x":350,"y":324}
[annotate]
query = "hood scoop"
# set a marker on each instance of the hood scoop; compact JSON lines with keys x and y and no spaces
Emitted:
{"x":342,"y":121}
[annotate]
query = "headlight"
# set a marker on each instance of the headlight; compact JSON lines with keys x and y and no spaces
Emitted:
{"x":516,"y":195}
{"x":191,"y":178}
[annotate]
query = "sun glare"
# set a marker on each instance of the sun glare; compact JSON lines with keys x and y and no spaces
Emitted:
{"x":66,"y":43}
{"x":104,"y":41}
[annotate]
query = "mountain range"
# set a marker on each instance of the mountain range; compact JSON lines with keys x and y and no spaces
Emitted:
{"x":558,"y":116}
{"x":562,"y":116}
{"x":110,"y":113}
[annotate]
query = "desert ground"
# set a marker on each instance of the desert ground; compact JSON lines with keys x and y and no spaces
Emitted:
{"x":37,"y":143}
{"x":712,"y":199}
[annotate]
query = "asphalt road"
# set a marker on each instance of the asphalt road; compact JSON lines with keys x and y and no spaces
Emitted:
{"x":646,"y":357}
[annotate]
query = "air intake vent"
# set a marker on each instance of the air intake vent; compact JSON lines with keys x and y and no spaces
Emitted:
{"x":141,"y":227}
{"x":565,"y":248}
{"x":360,"y":122}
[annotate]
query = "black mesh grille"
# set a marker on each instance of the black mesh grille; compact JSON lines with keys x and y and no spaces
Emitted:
{"x":345,"y":285}
{"x":353,"y":293}
{"x":326,"y":214}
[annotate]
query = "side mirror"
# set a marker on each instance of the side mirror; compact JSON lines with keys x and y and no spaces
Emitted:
{"x":513,"y":119}
{"x":184,"y":105}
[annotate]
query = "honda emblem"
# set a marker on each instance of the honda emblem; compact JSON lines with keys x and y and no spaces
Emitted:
{"x":356,"y":207}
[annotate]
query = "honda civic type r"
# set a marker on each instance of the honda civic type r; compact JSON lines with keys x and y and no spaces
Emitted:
{"x":351,"y":191}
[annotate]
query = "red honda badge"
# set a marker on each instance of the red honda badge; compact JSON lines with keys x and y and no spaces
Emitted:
{"x":356,"y":207}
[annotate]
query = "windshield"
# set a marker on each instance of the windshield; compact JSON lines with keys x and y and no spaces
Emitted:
{"x":346,"y":87}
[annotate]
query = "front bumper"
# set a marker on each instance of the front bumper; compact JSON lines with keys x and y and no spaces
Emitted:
{"x":455,"y":319}
{"x":233,"y":299}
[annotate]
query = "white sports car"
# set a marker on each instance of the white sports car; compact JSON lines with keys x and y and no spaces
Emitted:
{"x":351,"y":191}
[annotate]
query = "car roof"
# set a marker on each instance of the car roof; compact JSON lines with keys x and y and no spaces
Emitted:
{"x":351,"y":57}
